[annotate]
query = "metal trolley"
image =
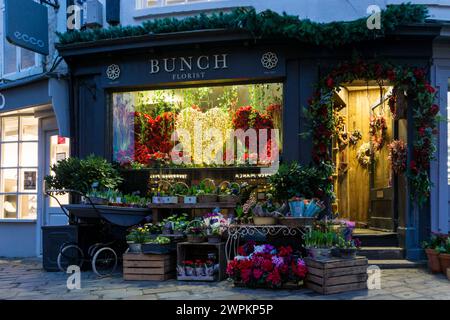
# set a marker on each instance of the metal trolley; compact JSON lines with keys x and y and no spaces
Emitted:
{"x":104,"y":253}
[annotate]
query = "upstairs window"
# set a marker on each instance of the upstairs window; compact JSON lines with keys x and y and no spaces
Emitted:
{"x":142,"y":4}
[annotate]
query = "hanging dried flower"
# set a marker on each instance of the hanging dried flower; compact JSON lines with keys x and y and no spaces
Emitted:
{"x":397,"y":156}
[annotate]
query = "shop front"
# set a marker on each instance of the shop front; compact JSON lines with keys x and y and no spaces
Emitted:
{"x":163,"y":109}
{"x":30,"y":142}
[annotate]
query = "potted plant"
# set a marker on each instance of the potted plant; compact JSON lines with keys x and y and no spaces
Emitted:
{"x":180,"y":189}
{"x":188,"y":266}
{"x":190,"y":197}
{"x":215,"y":224}
{"x":265,"y":213}
{"x":319,"y":243}
{"x":159,"y":245}
{"x":432,"y":252}
{"x":206,"y":192}
{"x":210,"y":268}
{"x":175,"y":224}
{"x":199,"y":266}
{"x":136,"y":237}
{"x":195,"y":234}
{"x":346,"y":249}
{"x":229,"y":192}
{"x":444,"y":254}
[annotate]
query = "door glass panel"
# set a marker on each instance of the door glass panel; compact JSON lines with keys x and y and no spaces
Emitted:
{"x":59,"y":150}
{"x":9,"y":154}
{"x":27,"y":59}
{"x":8,"y":181}
{"x":29,"y":154}
{"x":9,"y":208}
{"x":28,"y":206}
{"x":10,"y":129}
{"x":29,"y":129}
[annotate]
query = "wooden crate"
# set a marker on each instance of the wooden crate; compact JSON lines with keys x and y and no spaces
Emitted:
{"x":336,"y":275}
{"x":157,"y":267}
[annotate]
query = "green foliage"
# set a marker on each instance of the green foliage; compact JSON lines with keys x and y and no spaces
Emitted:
{"x":435,"y":241}
{"x":295,"y":180}
{"x":139,"y":235}
{"x":267,"y":24}
{"x":319,"y":239}
{"x":160,"y":240}
{"x":81,"y":174}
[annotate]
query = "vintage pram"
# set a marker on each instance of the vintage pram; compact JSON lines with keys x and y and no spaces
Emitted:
{"x":104,"y":250}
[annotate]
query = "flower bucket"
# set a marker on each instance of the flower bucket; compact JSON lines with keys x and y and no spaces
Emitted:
{"x":181,"y":271}
{"x":264,"y":221}
{"x":444,"y":260}
{"x":433,"y":260}
{"x":200,"y":271}
{"x":210,"y":271}
{"x":190,"y":199}
{"x":134,"y":247}
{"x":297,"y":208}
{"x":189,"y":271}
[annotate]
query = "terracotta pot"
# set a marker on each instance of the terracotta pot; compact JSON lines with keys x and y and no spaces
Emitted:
{"x":433,"y":260}
{"x":444,"y":260}
{"x":263,"y":221}
{"x":448,"y":274}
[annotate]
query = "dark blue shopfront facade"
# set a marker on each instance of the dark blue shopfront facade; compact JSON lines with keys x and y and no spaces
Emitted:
{"x":214,"y":58}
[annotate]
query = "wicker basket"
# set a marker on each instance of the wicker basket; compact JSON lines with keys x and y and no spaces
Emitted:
{"x":207,"y":198}
{"x":229,"y":198}
{"x":195,"y":239}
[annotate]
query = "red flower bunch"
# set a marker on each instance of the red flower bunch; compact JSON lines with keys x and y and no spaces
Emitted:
{"x":264,"y":268}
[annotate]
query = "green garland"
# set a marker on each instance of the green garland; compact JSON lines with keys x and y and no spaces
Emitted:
{"x":425,"y":116}
{"x":267,"y":24}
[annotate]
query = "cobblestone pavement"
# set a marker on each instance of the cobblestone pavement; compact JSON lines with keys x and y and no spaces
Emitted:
{"x":26,"y":280}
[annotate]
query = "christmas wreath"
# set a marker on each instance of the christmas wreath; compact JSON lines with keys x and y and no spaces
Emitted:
{"x":378,"y":131}
{"x":418,"y":90}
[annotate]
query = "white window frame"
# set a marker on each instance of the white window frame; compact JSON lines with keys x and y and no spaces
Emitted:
{"x":20,"y":72}
{"x":18,"y":193}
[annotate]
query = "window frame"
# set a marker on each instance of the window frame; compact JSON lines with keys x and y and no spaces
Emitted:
{"x":143,"y":4}
{"x":19,"y":168}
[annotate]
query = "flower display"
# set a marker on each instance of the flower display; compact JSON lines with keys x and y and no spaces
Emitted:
{"x":378,"y":131}
{"x":265,"y":265}
{"x":364,"y":154}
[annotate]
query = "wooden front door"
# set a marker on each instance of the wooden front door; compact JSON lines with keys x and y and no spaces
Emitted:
{"x":382,"y":213}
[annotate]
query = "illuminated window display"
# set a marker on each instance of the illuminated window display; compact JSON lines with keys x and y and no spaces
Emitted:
{"x":238,"y":125}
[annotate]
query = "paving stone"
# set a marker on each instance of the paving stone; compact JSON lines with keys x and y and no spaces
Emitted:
{"x":176,"y":294}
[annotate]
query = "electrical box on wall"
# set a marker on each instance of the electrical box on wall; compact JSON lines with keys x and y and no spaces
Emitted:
{"x":92,"y":14}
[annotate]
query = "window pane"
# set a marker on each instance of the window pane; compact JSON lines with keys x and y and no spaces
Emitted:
{"x":10,"y":129}
{"x":8,"y":181}
{"x":27,"y":59}
{"x":168,"y":2}
{"x":28,"y":180}
{"x":9,"y":206}
{"x":10,"y":61}
{"x":29,"y":128}
{"x":9,"y":154}
{"x":28,"y":206}
{"x":29,"y":154}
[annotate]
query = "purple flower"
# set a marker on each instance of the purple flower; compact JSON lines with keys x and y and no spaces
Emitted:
{"x":277,"y":261}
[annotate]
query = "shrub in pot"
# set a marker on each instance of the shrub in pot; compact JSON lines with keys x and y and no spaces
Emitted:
{"x":444,"y":255}
{"x":432,"y":252}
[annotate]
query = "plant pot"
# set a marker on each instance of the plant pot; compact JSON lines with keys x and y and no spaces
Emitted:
{"x":181,"y":271}
{"x":155,"y":248}
{"x":134,"y":247}
{"x":200,"y":271}
{"x":444,"y":260}
{"x":210,"y":271}
{"x":433,"y":260}
{"x":195,"y":239}
{"x":97,"y":201}
{"x":157,"y":200}
{"x":190,"y":199}
{"x":319,"y":253}
{"x":189,"y":271}
{"x":229,"y":198}
{"x":207,"y":198}
{"x":264,"y":221}
{"x":448,"y":274}
{"x":214,"y":239}
{"x":348,"y":253}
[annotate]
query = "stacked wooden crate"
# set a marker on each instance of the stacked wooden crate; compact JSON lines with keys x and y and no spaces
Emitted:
{"x":336,"y":275}
{"x":157,"y":267}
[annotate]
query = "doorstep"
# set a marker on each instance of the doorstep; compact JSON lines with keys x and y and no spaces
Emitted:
{"x":398,"y":264}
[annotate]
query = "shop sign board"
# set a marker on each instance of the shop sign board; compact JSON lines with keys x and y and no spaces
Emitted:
{"x":26,"y":25}
{"x":194,"y":67}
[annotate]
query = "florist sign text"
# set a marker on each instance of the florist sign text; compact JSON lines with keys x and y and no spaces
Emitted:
{"x":191,"y":66}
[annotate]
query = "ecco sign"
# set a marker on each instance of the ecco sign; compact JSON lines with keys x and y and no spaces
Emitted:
{"x":26,"y":25}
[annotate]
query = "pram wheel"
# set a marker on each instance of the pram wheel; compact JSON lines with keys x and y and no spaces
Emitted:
{"x":69,"y":255}
{"x":104,"y":262}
